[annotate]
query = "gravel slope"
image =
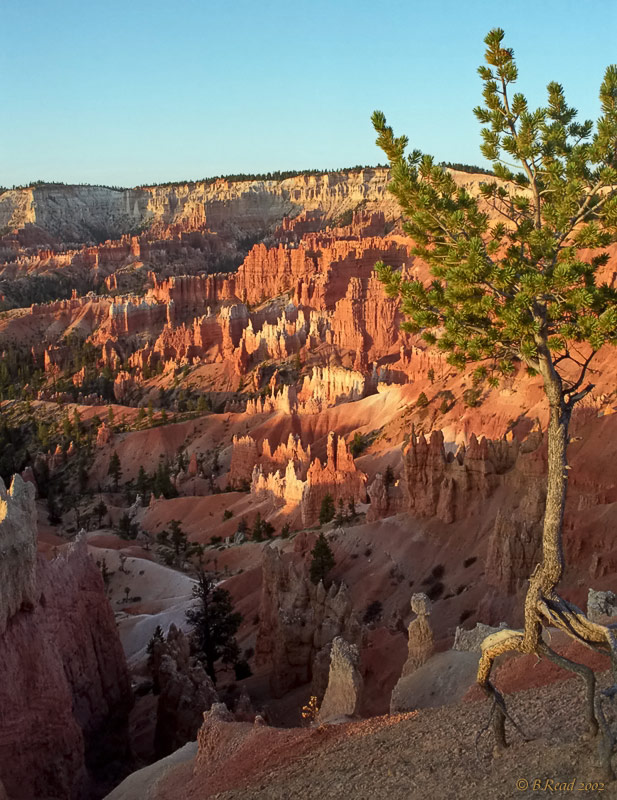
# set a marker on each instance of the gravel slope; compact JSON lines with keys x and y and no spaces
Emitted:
{"x":434,"y":755}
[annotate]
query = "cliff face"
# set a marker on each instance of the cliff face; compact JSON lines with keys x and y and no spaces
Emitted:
{"x":17,"y":549}
{"x":65,"y":691}
{"x":83,"y":213}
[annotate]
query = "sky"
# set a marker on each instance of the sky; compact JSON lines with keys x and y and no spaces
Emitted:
{"x":129,"y":92}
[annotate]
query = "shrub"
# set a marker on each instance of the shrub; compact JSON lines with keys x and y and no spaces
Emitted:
{"x":422,"y":401}
{"x":358,"y":445}
{"x":471,"y":397}
{"x":373,"y":612}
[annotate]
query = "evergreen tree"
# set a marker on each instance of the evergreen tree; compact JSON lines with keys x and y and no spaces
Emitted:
{"x":100,"y":509}
{"x":214,"y":624}
{"x":124,"y":526}
{"x":157,"y":639}
{"x":257,"y":531}
{"x":422,"y":401}
{"x":511,"y":287}
{"x":322,"y":560}
{"x":54,"y":511}
{"x":142,"y":484}
{"x":326,"y":512}
{"x":388,"y":478}
{"x":340,"y":517}
{"x":175,"y":547}
{"x":162,"y":484}
{"x":115,"y":469}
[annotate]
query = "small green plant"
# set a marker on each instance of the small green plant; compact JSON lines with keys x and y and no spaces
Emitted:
{"x":471,"y":397}
{"x":227,"y":514}
{"x":422,"y":401}
{"x":358,"y":445}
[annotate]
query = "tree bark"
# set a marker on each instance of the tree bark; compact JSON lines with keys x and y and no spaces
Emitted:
{"x":551,"y":569}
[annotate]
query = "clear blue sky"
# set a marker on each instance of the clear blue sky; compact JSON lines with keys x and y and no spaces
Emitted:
{"x":127,"y":91}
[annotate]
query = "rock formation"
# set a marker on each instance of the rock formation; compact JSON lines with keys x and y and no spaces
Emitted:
{"x":17,"y":549}
{"x":449,"y":486}
{"x":297,"y":623}
{"x":185,"y":692}
{"x":420,"y":644}
{"x":601,"y":606}
{"x":338,"y":477}
{"x":65,"y":692}
{"x":343,"y":694}
{"x":471,"y":641}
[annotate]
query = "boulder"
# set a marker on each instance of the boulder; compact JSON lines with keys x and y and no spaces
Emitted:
{"x":601,"y":606}
{"x":471,"y":641}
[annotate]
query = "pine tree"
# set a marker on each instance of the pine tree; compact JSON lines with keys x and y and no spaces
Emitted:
{"x":115,"y":469}
{"x":257,"y":531}
{"x":100,"y":509}
{"x":326,"y":512}
{"x":214,"y":624}
{"x":340,"y":518}
{"x":322,"y":560}
{"x":422,"y":400}
{"x":142,"y":484}
{"x":510,"y":287}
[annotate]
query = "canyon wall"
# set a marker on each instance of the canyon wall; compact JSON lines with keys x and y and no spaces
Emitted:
{"x":86,"y":213}
{"x":65,"y":692}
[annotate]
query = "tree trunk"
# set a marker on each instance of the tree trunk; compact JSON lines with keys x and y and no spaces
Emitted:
{"x":556,"y":487}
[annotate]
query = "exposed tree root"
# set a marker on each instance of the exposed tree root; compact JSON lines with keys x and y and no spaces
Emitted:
{"x":540,"y":611}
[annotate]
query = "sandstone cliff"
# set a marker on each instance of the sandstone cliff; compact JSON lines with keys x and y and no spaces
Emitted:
{"x":65,"y":692}
{"x":83,"y":213}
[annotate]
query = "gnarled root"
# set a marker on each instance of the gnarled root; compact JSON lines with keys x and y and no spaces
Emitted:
{"x":493,"y":646}
{"x":586,"y":673}
{"x":571,"y":620}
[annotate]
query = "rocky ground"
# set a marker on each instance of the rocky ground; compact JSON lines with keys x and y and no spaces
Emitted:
{"x":443,"y":753}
